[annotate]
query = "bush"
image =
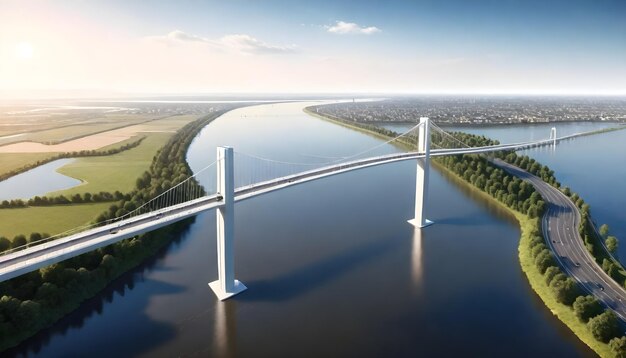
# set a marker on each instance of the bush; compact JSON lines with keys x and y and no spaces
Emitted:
{"x":605,"y":326}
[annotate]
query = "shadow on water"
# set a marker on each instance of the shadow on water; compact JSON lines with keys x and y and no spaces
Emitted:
{"x":309,"y":277}
{"x":159,"y":332}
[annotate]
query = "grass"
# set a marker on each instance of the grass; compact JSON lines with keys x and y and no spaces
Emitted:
{"x":13,"y":161}
{"x":49,"y":219}
{"x":536,"y":280}
{"x":113,"y":172}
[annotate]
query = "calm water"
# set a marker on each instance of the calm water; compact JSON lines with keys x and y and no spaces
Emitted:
{"x":38,"y":181}
{"x":516,"y":133}
{"x":332,"y":267}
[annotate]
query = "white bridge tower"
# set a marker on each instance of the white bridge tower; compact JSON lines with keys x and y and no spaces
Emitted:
{"x":553,"y":135}
{"x":423,"y":173}
{"x":226,"y":286}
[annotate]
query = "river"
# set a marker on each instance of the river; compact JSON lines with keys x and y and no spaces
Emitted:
{"x":332,"y":268}
{"x":37,"y":181}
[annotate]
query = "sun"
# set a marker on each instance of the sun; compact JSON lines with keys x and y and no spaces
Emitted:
{"x":24,"y":51}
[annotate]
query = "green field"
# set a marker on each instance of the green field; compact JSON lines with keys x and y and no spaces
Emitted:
{"x":49,"y":219}
{"x":113,"y":172}
{"x":13,"y":161}
{"x":117,"y":172}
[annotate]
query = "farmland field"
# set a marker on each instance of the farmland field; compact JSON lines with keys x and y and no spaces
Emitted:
{"x":48,"y":219}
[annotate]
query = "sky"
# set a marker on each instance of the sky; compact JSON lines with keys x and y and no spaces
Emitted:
{"x":256,"y":46}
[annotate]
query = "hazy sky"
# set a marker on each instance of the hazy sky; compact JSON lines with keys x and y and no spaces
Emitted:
{"x":181,"y":47}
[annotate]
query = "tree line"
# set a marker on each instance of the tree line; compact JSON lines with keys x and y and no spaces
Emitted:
{"x":77,"y":198}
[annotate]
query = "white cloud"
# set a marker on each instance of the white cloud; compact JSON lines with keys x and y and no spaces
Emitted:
{"x":236,"y":42}
{"x":248,"y":44}
{"x":342,"y":28}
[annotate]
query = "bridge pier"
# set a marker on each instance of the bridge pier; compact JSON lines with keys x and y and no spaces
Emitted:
{"x":422,"y":176}
{"x":226,"y":286}
{"x":553,"y":135}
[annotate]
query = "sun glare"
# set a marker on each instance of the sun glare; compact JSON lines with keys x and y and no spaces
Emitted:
{"x":24,"y":51}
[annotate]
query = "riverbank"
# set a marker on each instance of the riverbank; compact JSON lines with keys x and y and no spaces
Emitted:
{"x":535,"y":278}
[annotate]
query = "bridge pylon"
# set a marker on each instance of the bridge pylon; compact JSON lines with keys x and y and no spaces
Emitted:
{"x":423,"y":174}
{"x":226,"y":286}
{"x":553,"y":135}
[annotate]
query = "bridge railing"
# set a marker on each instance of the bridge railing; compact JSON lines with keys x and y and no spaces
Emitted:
{"x":254,"y":172}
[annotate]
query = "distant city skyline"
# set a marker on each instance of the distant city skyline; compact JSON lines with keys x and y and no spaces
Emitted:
{"x":396,"y":47}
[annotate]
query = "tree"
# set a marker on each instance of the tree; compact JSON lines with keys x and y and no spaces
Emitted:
{"x":535,"y":240}
{"x":604,"y":230}
{"x":544,"y":260}
{"x":5,"y":243}
{"x":618,"y":346}
{"x":605,"y":326}
{"x":611,"y":243}
{"x":611,"y":268}
{"x":18,"y":241}
{"x":586,"y":307}
{"x":550,"y":273}
{"x":27,"y":314}
{"x":34,"y":237}
{"x":565,"y":290}
{"x":538,"y":249}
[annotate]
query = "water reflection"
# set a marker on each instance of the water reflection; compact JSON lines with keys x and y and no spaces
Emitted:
{"x":225,"y":329}
{"x":417,"y":266}
{"x":38,"y":181}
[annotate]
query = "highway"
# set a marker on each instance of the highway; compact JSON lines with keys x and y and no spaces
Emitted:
{"x":560,"y":229}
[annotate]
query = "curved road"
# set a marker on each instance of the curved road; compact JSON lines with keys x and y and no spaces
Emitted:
{"x":560,"y":228}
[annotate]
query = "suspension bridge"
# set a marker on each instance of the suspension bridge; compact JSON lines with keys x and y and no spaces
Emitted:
{"x":261,"y":176}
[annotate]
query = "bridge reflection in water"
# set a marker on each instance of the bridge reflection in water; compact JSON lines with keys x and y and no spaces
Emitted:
{"x":225,"y":338}
{"x":417,"y":264}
